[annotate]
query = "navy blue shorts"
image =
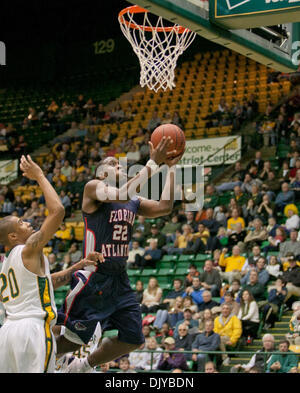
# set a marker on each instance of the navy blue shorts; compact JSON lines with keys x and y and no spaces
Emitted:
{"x":108,"y":299}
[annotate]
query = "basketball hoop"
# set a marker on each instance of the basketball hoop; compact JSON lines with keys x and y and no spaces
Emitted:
{"x":157,"y":46}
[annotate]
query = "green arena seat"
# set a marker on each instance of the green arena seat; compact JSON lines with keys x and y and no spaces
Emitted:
{"x":164,"y":265}
{"x":202,"y":257}
{"x":148,"y":272}
{"x":165,"y":272}
{"x":182,"y":264}
{"x":186,"y":258}
{"x":165,"y":285}
{"x":169,"y":258}
{"x":181,"y":271}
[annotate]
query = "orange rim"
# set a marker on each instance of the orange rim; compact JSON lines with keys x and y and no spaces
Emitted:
{"x":135,"y":9}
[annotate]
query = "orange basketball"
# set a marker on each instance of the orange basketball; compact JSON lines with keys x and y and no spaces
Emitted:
{"x":172,"y":131}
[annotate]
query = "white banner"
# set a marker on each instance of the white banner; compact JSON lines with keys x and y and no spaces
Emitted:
{"x":8,"y":171}
{"x":212,"y":151}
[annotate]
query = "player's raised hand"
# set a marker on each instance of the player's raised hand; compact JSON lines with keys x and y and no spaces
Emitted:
{"x":160,"y":153}
{"x":172,"y":160}
{"x":30,"y":169}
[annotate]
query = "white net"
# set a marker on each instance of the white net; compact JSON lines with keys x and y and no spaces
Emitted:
{"x":157,"y":47}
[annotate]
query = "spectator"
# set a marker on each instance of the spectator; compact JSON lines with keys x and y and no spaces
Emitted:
{"x":163,"y":315}
{"x":150,"y":257}
{"x":137,"y":359}
{"x":252,"y":259}
{"x":260,"y":358}
{"x":182,"y":240}
{"x":170,"y":228}
{"x":293,"y":220}
{"x":263,"y":275}
{"x":151,"y":297}
{"x":184,"y":340}
{"x":249,"y":316}
{"x":229,"y":298}
{"x":195,"y":291}
{"x":276,"y":298}
{"x":256,"y":289}
{"x":54,"y":264}
{"x":292,"y":278}
{"x":136,"y":250}
{"x":234,"y":220}
{"x":285,"y":197}
{"x":257,"y":236}
{"x":75,"y":254}
{"x":187,"y":320}
{"x":292,"y":246}
{"x":274,"y":242}
{"x":143,"y":225}
{"x":283,"y":362}
{"x":266,"y":209}
{"x":206,"y":341}
{"x":210,"y":368}
{"x":210,"y":278}
{"x":139,"y":291}
{"x":293,"y":336}
{"x":193,"y":272}
{"x":240,"y":197}
{"x":210,"y":223}
{"x":163,"y":333}
{"x":177,"y":291}
{"x":66,"y":202}
{"x":229,"y":328}
{"x":236,"y":236}
{"x":161,"y":239}
{"x":124,"y":365}
{"x":175,"y":313}
{"x":169,"y":360}
{"x":211,"y":197}
{"x":207,"y":303}
{"x":150,"y":360}
{"x":207,"y":315}
{"x":273,"y":268}
{"x":257,"y":161}
{"x":154,"y":122}
{"x":233,"y":264}
{"x":271,"y":186}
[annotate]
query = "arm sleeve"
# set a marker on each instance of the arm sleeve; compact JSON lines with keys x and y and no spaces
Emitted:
{"x":236,"y":331}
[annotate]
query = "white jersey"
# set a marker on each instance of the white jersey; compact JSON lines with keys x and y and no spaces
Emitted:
{"x":24,"y":294}
{"x":26,"y":339}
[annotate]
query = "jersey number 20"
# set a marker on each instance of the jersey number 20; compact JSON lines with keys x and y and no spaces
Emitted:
{"x":13,"y":285}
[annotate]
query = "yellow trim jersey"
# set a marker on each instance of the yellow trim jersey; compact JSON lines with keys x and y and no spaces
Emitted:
{"x":23,"y":293}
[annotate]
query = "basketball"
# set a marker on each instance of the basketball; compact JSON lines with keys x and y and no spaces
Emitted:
{"x":172,"y":131}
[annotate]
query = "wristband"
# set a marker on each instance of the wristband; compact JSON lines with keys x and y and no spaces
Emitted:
{"x":153,"y":166}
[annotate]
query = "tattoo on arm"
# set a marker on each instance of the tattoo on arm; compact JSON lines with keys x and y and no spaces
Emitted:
{"x":35,"y":239}
{"x":62,"y":278}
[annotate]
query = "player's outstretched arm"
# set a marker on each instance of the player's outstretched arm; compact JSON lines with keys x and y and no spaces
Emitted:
{"x":37,"y":241}
{"x":153,"y":209}
{"x":97,"y":190}
{"x":64,"y":277}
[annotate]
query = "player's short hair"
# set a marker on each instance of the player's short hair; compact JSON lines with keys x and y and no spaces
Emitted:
{"x":99,"y":167}
{"x":6,"y":227}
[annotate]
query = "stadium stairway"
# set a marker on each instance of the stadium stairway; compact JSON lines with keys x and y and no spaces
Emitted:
{"x":279,"y":331}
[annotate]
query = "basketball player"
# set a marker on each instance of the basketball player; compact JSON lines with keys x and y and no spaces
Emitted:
{"x":105,"y":295}
{"x":26,"y":339}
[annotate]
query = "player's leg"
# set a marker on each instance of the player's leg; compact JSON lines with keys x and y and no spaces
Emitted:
{"x":128,"y":322}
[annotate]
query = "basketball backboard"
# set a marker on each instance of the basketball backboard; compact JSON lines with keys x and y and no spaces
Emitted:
{"x":263,"y":45}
